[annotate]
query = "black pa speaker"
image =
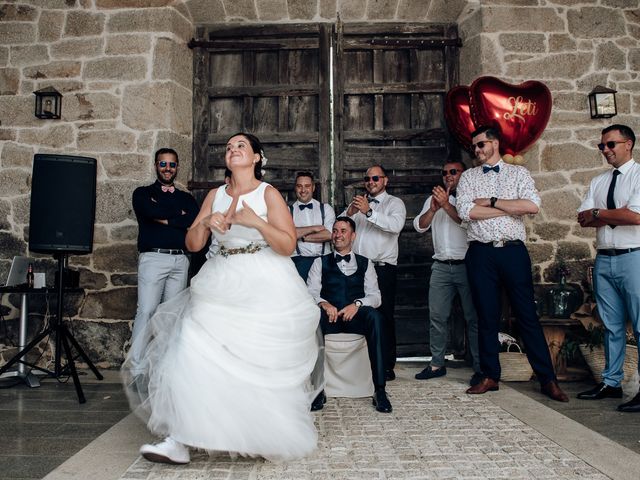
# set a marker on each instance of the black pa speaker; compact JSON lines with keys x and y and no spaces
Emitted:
{"x":63,"y":204}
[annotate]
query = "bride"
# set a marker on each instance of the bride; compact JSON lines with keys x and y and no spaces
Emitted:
{"x":228,"y":360}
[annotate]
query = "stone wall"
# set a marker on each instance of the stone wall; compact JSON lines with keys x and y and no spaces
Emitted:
{"x":126,"y":76}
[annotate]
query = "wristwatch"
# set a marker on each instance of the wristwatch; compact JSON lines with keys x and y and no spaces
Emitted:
{"x":358,"y":303}
{"x":493,"y":201}
{"x":369,"y":213}
{"x":595,"y":212}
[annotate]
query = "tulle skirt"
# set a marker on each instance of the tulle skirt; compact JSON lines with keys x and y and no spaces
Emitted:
{"x":228,"y":362}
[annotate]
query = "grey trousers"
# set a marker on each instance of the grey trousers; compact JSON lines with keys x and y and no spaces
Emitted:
{"x":160,"y":277}
{"x":446,"y":281}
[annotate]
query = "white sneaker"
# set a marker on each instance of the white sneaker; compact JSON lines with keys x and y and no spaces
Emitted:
{"x":167,"y":451}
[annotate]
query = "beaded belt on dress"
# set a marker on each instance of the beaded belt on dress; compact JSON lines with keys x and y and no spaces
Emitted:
{"x":251,"y":248}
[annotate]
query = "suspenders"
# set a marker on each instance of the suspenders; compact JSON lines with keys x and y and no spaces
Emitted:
{"x":324,"y":244}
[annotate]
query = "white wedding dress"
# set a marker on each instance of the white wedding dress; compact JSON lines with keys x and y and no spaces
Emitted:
{"x":228,"y":361}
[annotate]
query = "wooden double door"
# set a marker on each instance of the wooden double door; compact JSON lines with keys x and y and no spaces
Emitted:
{"x":334,"y":99}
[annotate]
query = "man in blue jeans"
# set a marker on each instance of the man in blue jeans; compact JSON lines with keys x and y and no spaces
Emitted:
{"x":612,"y":206}
{"x":448,"y":272}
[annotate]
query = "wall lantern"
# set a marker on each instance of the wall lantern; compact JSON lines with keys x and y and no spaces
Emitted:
{"x":602,"y":102}
{"x":48,"y":103}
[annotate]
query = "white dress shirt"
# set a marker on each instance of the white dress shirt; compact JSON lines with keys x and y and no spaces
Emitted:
{"x":512,"y":182}
{"x":311,"y":216}
{"x":372,"y":297}
{"x":449,"y":238}
{"x":377,"y":236}
{"x":627,"y":193}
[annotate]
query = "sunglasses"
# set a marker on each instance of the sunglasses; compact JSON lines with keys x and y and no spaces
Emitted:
{"x":480,"y":144}
{"x":375,"y":178}
{"x":451,"y":171}
{"x":163,"y":164}
{"x":610,"y":145}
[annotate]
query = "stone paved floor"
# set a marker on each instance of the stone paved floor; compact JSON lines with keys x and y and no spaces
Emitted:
{"x":436,"y":431}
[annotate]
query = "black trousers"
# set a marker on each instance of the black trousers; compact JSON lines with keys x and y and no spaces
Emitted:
{"x":303,"y":265}
{"x":368,"y":322}
{"x":387,"y":280}
{"x":509,"y":267}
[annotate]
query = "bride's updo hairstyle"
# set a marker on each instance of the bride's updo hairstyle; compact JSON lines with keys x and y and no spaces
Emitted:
{"x":256,"y":146}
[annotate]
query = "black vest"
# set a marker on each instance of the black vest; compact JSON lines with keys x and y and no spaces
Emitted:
{"x":339,"y":289}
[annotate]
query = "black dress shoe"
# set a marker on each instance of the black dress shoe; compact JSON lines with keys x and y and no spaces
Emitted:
{"x":381,"y":401}
{"x":632,"y":405}
{"x":429,"y":372}
{"x":318,"y":402}
{"x":601,"y":391}
{"x":389,"y":375}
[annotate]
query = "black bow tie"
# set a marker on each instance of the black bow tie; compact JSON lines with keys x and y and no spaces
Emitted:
{"x":346,"y":258}
{"x":372,"y":200}
{"x":487,"y":168}
{"x":308,"y":205}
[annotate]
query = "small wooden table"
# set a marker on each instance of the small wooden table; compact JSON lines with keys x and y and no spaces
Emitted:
{"x":555,"y":330}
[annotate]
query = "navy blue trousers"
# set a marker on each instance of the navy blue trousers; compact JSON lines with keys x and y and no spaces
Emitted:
{"x":489,"y":269}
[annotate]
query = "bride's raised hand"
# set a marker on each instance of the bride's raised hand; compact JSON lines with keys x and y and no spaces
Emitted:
{"x":215,"y":221}
{"x":246,"y":217}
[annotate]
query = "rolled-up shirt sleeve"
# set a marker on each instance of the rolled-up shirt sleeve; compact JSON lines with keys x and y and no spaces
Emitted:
{"x":416,"y":221}
{"x":527,"y":187}
{"x":464,"y":199}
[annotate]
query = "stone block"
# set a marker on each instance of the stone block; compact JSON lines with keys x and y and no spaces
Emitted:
{"x":573,"y":250}
{"x":634,"y":59}
{"x":58,"y":69}
{"x":596,"y":22}
{"x":565,"y":119}
{"x":14,"y":33}
{"x":145,"y":142}
{"x":564,"y":65}
{"x":9,"y":81}
{"x":539,"y":252}
{"x":17,"y":111}
{"x":569,"y":156}
{"x":15,"y":181}
{"x":126,"y":165}
{"x":272,"y":10}
{"x":128,"y":44}
{"x":157,"y":106}
{"x":551,"y":231}
{"x":82,"y":23}
{"x":113,"y":202}
{"x":306,"y":10}
{"x":106,"y":141}
{"x":11,"y":245}
{"x":173,"y":61}
{"x":124,"y":279}
{"x":132,"y":3}
{"x":77,"y":48}
{"x":21,"y":205}
{"x":328,"y":9}
{"x":559,"y":42}
{"x":14,"y":155}
{"x":154,"y":20}
{"x":211,"y":11}
{"x":523,"y":42}
{"x":104,"y":342}
{"x":381,"y":9}
{"x":621,"y":3}
{"x":91,"y":106}
{"x":4,"y":56}
{"x":578,"y":231}
{"x":91,"y":280}
{"x":100,"y":235}
{"x":55,"y":136}
{"x":125,"y":233}
{"x":18,"y":13}
{"x":63,"y":86}
{"x":546,"y":182}
{"x":240,"y":10}
{"x":121,"y":258}
{"x":50,"y":25}
{"x":352,"y":9}
{"x":576,"y":101}
{"x":116,"y":68}
{"x":590,"y":135}
{"x":5,"y":224}
{"x":440,"y":11}
{"x":560,"y":205}
{"x":557,"y":135}
{"x":511,"y":19}
{"x":27,"y":55}
{"x":585,"y":177}
{"x":97,"y":125}
{"x":610,"y":57}
{"x":7,"y":134}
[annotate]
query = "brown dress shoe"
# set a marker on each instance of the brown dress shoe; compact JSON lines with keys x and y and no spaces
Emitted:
{"x":486,"y":385}
{"x":553,"y":391}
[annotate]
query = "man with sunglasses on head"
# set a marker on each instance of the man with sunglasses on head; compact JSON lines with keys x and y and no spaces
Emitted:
{"x":493,"y":198}
{"x":612,"y":206}
{"x":379,"y":219}
{"x":164,"y":214}
{"x":448,"y":272}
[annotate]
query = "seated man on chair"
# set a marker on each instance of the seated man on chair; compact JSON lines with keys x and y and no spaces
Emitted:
{"x":345,"y":287}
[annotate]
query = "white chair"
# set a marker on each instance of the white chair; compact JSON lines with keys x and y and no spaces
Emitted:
{"x":347,"y":371}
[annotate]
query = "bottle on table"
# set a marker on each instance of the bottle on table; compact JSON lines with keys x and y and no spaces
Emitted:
{"x":30,"y":276}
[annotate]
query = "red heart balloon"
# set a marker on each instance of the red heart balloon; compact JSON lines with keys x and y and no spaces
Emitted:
{"x":457,"y":112}
{"x":521,"y":112}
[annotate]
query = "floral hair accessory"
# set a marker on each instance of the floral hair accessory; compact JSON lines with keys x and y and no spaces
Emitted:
{"x":263,"y":158}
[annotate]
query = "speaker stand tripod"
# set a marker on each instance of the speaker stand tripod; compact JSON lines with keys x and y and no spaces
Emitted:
{"x":63,"y":341}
